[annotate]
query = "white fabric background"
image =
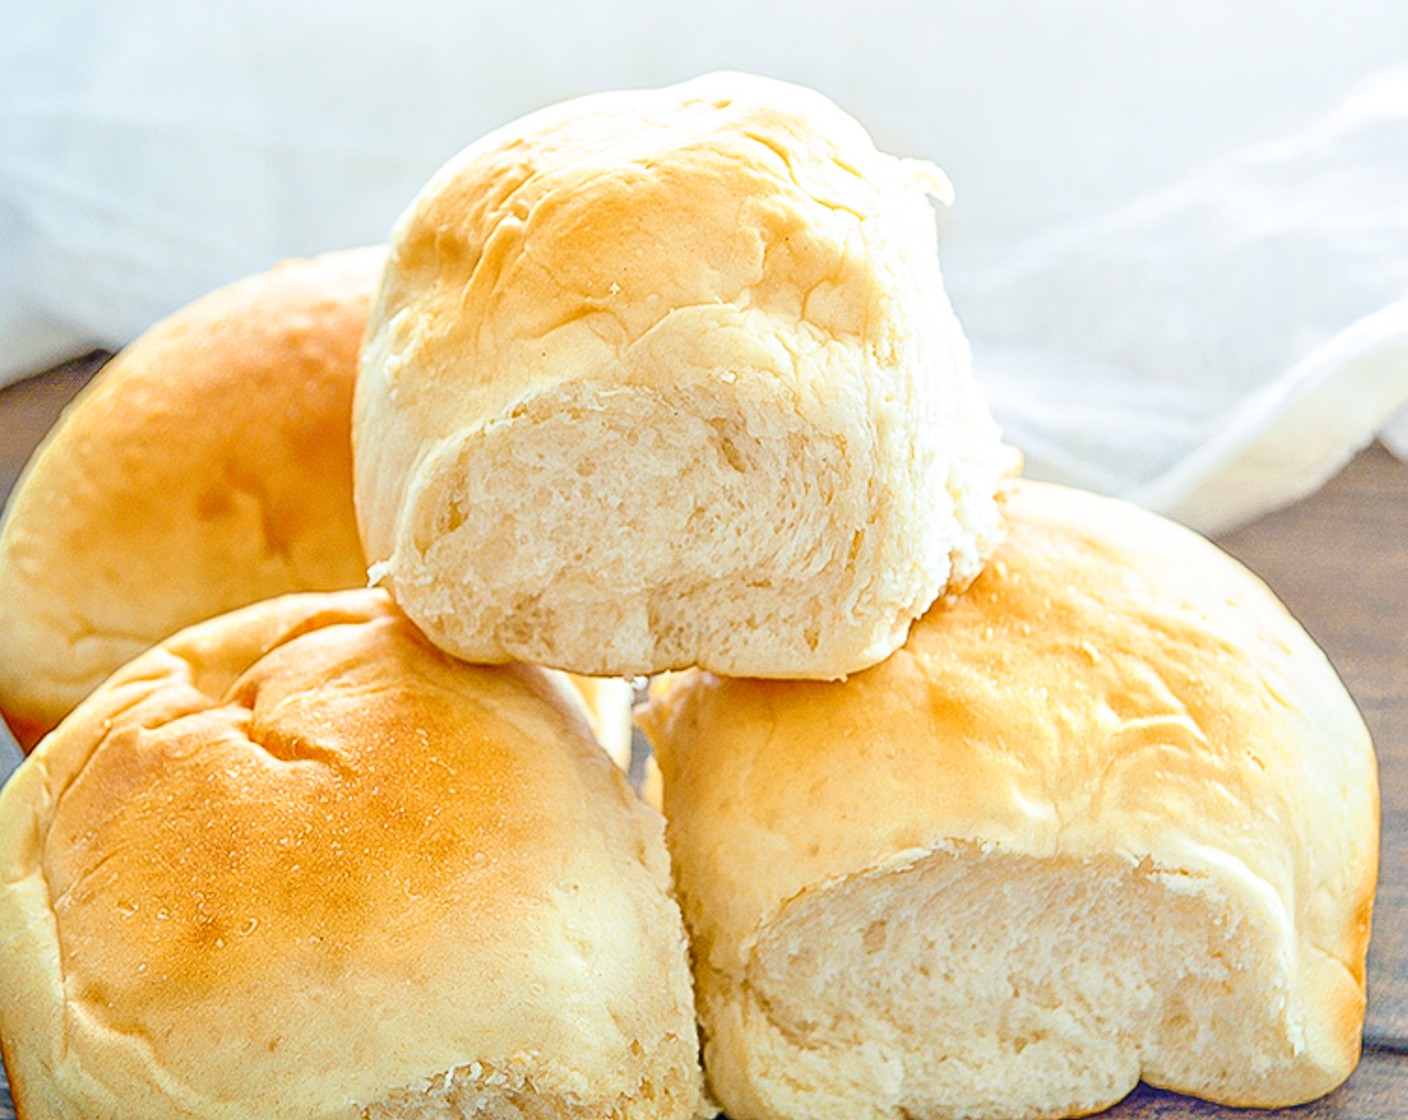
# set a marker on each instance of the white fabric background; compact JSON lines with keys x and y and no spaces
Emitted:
{"x":1180,"y":244}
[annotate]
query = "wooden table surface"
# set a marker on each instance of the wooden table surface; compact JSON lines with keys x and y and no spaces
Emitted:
{"x":1340,"y":561}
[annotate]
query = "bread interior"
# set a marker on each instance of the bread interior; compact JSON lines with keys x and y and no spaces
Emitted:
{"x":482,"y":1091}
{"x":981,"y":984}
{"x":651,"y":525}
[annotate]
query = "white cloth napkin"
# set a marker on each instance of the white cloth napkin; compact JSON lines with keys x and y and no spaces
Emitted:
{"x":1180,"y":244}
{"x":1222,"y":345}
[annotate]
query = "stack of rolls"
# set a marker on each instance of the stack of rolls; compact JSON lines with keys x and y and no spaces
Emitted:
{"x":982,"y":798}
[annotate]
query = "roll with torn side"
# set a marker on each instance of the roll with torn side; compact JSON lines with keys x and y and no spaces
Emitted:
{"x":1110,"y":814}
{"x":207,"y":466}
{"x":669,"y":377}
{"x":297,"y":863}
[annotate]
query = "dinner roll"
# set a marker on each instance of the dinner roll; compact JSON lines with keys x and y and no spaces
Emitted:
{"x":1108,"y":815}
{"x":297,"y":863}
{"x":668,"y":377}
{"x":207,"y":466}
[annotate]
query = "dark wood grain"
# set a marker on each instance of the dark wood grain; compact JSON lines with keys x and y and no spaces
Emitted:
{"x":29,"y":408}
{"x":1378,"y":1090}
{"x":1340,"y":562}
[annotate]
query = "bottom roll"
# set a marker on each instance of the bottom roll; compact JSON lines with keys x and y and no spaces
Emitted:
{"x":1109,"y":815}
{"x":295,"y":862}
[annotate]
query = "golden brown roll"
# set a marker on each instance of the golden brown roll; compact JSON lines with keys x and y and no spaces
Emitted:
{"x":669,"y":377}
{"x":207,"y":466}
{"x":1108,"y":815}
{"x":295,"y":862}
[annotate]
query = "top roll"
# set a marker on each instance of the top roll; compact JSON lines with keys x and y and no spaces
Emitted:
{"x":669,"y":377}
